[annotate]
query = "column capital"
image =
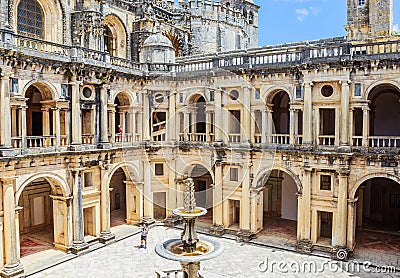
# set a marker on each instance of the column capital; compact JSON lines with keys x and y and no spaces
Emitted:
{"x":308,"y":84}
{"x":8,"y":180}
{"x":345,"y":82}
{"x":343,"y":172}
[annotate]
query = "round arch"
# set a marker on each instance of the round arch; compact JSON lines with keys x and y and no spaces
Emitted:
{"x":55,"y":181}
{"x":395,"y":85}
{"x":193,"y":97}
{"x":129,"y":169}
{"x":271,"y":92}
{"x":118,"y":30}
{"x":360,"y":181}
{"x":53,"y":20}
{"x":48,"y":90}
{"x":190,"y":168}
{"x":125,"y":98}
{"x":261,"y":177}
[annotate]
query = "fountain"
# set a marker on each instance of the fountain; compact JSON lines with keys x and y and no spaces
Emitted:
{"x":190,"y":249}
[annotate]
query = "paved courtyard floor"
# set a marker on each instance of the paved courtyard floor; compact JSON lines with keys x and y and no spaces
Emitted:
{"x":124,"y":259}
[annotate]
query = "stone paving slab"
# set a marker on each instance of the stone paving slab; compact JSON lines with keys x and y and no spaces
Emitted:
{"x":124,"y":259}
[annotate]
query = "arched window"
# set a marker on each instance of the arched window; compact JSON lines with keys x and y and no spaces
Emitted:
{"x":108,"y":41}
{"x":30,"y":19}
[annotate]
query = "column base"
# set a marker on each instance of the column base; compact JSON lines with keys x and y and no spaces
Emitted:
{"x":147,"y":220}
{"x":244,"y":236}
{"x":76,"y":148}
{"x":304,"y":246}
{"x":8,"y":151}
{"x":105,"y":145}
{"x":344,"y":149}
{"x":106,"y":237}
{"x":80,"y":248}
{"x":217,"y":230}
{"x":12,"y":271}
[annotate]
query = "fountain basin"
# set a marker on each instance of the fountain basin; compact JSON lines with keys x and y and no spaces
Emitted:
{"x":206,"y":249}
{"x":197,"y":212}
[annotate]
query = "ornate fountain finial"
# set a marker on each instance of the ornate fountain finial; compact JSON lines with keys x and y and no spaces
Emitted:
{"x":189,"y":201}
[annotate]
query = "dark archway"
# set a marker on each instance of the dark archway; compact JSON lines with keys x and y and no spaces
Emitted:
{"x":118,"y":198}
{"x":203,"y":191}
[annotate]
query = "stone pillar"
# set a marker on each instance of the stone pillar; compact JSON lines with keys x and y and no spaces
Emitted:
{"x":172,"y":118}
{"x":292,"y":126}
{"x":269,"y":124}
{"x":360,"y":205}
{"x":300,"y":217}
{"x":112,"y":126}
{"x":148,"y":194}
{"x":306,"y":206}
{"x":12,"y":265}
{"x":351,"y":126}
{"x":103,"y":116}
{"x":351,"y":224}
{"x":218,"y":195}
{"x":46,"y":121}
{"x":76,"y":115}
{"x":339,"y":237}
{"x":132,"y":122}
{"x":146,"y":118}
{"x":307,"y":115}
{"x":105,"y":235}
{"x":365,"y":142}
{"x":245,"y":204}
{"x":78,"y":244}
{"x":14,"y":130}
{"x":23,"y":127}
{"x":56,"y":124}
{"x":218,"y":115}
{"x":246,"y":125}
{"x":264,"y":127}
{"x":345,"y":115}
{"x":140,"y":124}
{"x":186,"y":125}
{"x":208,"y":126}
{"x":172,"y":188}
{"x":5,"y":108}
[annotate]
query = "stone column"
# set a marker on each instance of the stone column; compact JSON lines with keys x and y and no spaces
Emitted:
{"x":360,"y":205}
{"x":186,"y":124}
{"x":365,"y":142}
{"x":172,"y":118}
{"x":345,"y":115}
{"x":339,"y":237}
{"x":307,"y":115}
{"x":264,"y":127}
{"x":23,"y":127}
{"x":146,"y":118}
{"x":76,"y":115}
{"x":5,"y":108}
{"x":351,"y":224}
{"x":208,"y":126}
{"x":14,"y":130}
{"x":306,"y":207}
{"x":172,"y":188}
{"x":105,"y":235}
{"x":12,"y":265}
{"x":218,"y":195}
{"x":300,"y":216}
{"x":112,"y":126}
{"x":103,"y":116}
{"x":56,"y":124}
{"x":246,"y":125}
{"x":269,"y":124}
{"x":78,"y":244}
{"x":148,"y":194}
{"x":133,"y":124}
{"x":292,"y":126}
{"x":245,"y":210}
{"x":46,"y":121}
{"x":140,"y":124}
{"x":218,"y":115}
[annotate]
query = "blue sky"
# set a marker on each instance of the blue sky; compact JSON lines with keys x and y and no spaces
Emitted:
{"x":283,"y":21}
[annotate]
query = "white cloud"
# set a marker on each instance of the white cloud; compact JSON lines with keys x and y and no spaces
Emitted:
{"x":302,"y":13}
{"x":314,"y":10}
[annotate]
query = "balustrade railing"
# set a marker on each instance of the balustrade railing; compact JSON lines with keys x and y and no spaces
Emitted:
{"x":234,"y":138}
{"x":357,"y":141}
{"x":298,"y":139}
{"x":384,"y":141}
{"x":326,"y":140}
{"x":257,"y":138}
{"x":279,"y":139}
{"x":28,"y":43}
{"x":16,"y":142}
{"x":87,"y":139}
{"x":125,"y":137}
{"x":40,"y":141}
{"x":193,"y":137}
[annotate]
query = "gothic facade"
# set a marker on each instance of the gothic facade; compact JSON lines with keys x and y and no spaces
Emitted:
{"x":106,"y":105}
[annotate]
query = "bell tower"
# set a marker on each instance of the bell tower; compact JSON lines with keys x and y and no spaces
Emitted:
{"x":369,"y":19}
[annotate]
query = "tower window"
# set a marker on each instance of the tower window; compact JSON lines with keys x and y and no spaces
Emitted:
{"x":30,"y":19}
{"x":108,"y":40}
{"x":361,"y":2}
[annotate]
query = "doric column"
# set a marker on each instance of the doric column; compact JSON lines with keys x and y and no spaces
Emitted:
{"x":351,"y":126}
{"x":76,"y":115}
{"x":292,"y":126}
{"x":306,"y":207}
{"x":105,"y":234}
{"x":218,"y":115}
{"x":112,"y":125}
{"x":146,"y":118}
{"x":345,"y":114}
{"x":14,"y":130}
{"x":46,"y":121}
{"x":23,"y":126}
{"x":186,"y":124}
{"x":56,"y":124}
{"x":103,"y":116}
{"x":246,"y":125}
{"x":351,"y":224}
{"x":217,"y":198}
{"x":365,"y":125}
{"x":339,"y":238}
{"x":307,"y":116}
{"x":132,"y":122}
{"x":5,"y":108}
{"x":264,"y":127}
{"x":172,"y":118}
{"x":208,"y":126}
{"x":78,"y":244}
{"x":148,"y":195}
{"x":12,"y":261}
{"x":300,"y":216}
{"x":245,"y":208}
{"x":140,"y":124}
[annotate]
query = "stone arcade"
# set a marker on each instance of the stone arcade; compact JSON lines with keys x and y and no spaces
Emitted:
{"x":105,"y":105}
